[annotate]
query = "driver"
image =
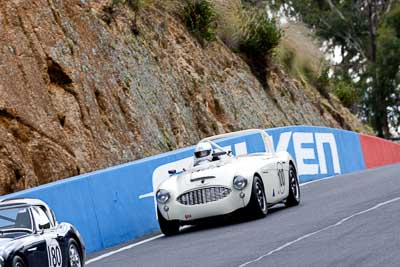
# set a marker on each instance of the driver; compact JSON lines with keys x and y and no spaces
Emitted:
{"x":203,"y":153}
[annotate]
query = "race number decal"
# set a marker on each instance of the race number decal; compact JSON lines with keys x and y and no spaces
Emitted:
{"x":54,"y":253}
{"x":281,"y":176}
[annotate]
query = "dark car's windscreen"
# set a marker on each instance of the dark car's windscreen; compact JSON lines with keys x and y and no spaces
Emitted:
{"x":15,"y":218}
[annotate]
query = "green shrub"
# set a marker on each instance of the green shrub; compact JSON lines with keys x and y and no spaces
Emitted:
{"x":323,"y":82}
{"x":200,"y":18}
{"x":319,"y":79}
{"x":308,"y":73}
{"x":260,"y":35}
{"x":135,"y":5}
{"x":109,"y":10}
{"x":392,"y":20}
{"x":346,"y":93}
{"x":288,"y":58}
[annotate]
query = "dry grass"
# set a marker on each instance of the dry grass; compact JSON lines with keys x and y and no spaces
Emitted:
{"x":230,"y":22}
{"x":170,"y":6}
{"x":299,"y":52}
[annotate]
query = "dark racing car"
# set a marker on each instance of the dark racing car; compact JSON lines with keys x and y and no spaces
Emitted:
{"x":30,"y":236}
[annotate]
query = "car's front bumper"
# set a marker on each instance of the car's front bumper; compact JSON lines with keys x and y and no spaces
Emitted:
{"x":174,"y":210}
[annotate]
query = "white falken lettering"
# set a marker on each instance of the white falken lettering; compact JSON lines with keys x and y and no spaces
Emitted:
{"x":327,"y":138}
{"x":309,"y":153}
{"x":303,"y":153}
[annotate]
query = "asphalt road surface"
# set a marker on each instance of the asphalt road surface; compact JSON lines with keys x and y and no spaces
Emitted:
{"x":348,"y":220}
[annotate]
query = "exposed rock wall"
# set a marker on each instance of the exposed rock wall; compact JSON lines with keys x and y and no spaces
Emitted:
{"x":78,"y":95}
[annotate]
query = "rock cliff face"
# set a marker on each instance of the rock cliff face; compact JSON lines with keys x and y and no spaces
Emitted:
{"x":77,"y":94}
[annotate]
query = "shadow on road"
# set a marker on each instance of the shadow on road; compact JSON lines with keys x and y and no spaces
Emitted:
{"x":227,"y":220}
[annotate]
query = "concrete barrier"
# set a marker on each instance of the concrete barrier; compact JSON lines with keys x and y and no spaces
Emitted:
{"x":379,"y":152}
{"x":115,"y":205}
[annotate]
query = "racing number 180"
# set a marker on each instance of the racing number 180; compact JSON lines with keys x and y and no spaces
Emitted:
{"x":281,"y":177}
{"x":54,"y":254}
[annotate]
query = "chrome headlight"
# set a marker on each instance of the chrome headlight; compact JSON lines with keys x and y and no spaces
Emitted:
{"x":239,"y":182}
{"x":162,"y":196}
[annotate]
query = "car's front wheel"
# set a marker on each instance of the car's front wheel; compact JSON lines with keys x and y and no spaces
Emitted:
{"x":257,"y":206}
{"x":293,"y":198}
{"x":168,"y":228}
{"x":74,"y":255}
{"x":18,"y":262}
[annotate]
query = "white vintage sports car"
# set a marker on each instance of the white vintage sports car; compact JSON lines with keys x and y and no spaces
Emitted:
{"x":219,"y":183}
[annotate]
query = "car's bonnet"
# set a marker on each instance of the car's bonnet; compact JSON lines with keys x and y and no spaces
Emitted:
{"x":9,"y":244}
{"x":6,"y":243}
{"x":214,"y":172}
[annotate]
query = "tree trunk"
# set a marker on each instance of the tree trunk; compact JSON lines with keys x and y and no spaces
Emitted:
{"x":380,"y":111}
{"x":372,"y":24}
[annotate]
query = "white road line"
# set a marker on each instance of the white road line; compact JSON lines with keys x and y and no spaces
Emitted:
{"x":318,"y":180}
{"x":321,"y":230}
{"x":123,"y":249}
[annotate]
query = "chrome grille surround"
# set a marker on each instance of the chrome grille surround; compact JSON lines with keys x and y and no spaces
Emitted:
{"x":204,"y":195}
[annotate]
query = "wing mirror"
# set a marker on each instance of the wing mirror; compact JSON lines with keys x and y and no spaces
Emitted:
{"x":40,"y":231}
{"x":44,"y":226}
{"x":172,"y":172}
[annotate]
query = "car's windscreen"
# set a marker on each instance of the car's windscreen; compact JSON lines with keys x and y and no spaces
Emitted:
{"x":15,"y":218}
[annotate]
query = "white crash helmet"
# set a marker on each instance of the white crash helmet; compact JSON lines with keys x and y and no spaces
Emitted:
{"x":203,"y":153}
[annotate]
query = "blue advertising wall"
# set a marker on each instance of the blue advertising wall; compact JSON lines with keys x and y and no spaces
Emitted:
{"x":349,"y":153}
{"x":115,"y":205}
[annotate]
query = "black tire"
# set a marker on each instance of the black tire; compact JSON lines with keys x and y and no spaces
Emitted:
{"x":293,"y":198}
{"x":74,"y":254}
{"x":168,"y":228}
{"x":257,"y":206}
{"x":18,"y":262}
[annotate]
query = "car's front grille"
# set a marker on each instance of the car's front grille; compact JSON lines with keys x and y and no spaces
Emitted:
{"x":204,"y":195}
